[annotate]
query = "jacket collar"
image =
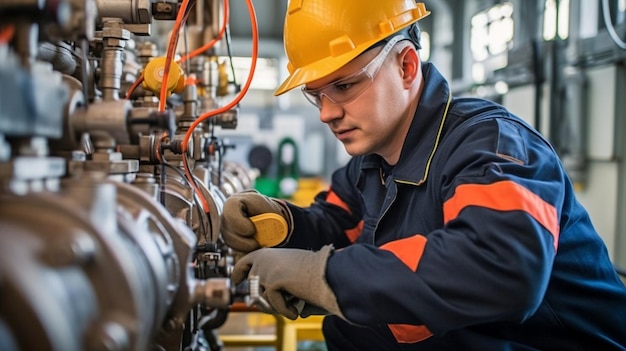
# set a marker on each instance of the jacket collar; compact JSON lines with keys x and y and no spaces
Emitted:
{"x":424,"y":133}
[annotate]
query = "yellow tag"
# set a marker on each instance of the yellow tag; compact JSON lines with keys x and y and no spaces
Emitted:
{"x":271,"y":229}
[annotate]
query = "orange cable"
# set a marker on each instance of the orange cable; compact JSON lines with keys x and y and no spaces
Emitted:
{"x":192,"y":54}
{"x":157,"y":149}
{"x":180,"y":18}
{"x":184,"y":58}
{"x":171,"y":49}
{"x":244,"y":90}
{"x":203,"y":200}
{"x":132,"y":88}
{"x":238,"y":98}
{"x":210,"y":44}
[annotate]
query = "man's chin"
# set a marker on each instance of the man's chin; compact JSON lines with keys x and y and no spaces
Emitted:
{"x":353,"y":150}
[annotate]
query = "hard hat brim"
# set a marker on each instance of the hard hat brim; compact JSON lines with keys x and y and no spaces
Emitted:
{"x":326,"y":66}
{"x":319,"y":69}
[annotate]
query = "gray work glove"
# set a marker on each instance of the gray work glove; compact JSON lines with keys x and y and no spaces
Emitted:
{"x":292,"y":281}
{"x":237,"y":229}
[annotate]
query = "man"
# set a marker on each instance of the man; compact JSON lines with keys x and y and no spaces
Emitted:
{"x":453,"y":227}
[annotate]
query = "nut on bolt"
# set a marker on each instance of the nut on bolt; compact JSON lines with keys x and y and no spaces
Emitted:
{"x":213,"y":292}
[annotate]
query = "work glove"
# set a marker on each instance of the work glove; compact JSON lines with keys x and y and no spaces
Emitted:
{"x":238,"y":231}
{"x":292,"y":281}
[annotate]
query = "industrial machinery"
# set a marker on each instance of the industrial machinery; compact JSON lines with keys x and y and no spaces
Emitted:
{"x":112,"y":178}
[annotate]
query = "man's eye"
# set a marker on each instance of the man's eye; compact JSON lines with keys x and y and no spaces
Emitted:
{"x":343,"y":86}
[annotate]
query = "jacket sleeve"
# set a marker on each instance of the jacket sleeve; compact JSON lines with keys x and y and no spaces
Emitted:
{"x":498,"y":188}
{"x":334,"y":218}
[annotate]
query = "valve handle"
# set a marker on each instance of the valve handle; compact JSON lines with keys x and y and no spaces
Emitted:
{"x":271,"y":229}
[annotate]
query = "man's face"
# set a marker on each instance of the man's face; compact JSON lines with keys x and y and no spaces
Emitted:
{"x":376,"y":121}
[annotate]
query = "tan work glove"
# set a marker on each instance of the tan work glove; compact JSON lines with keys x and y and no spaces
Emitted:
{"x":293,"y":281}
{"x":237,"y":229}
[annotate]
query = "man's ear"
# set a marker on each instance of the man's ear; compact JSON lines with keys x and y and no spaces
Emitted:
{"x":410,"y":62}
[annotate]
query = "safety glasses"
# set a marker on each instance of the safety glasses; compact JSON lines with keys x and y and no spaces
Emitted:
{"x":349,"y":88}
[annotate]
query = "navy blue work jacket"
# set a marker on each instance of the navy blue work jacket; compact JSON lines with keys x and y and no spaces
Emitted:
{"x":474,"y":240}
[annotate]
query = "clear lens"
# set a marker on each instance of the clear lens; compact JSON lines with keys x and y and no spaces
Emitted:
{"x":349,"y":88}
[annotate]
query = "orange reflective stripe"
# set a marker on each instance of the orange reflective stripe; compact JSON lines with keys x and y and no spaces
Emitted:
{"x":337,"y":201}
{"x":408,"y":250}
{"x":503,"y":196}
{"x":6,"y":33}
{"x":408,"y":334}
{"x":355,"y":232}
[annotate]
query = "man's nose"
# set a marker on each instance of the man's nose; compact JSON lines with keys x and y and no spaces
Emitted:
{"x":329,"y":110}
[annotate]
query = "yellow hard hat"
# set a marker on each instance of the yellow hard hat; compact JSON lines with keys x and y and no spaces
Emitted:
{"x":321,"y":36}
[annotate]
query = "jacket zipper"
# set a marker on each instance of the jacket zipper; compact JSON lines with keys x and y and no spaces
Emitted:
{"x":391,"y":201}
